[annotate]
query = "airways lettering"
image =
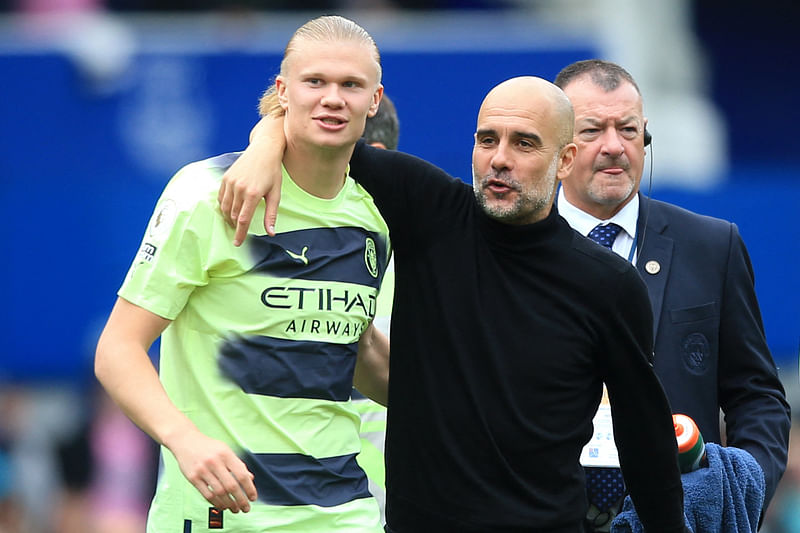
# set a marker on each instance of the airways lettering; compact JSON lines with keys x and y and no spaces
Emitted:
{"x":329,"y":327}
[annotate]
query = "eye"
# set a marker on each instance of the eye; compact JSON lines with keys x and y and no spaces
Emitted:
{"x":525,"y":143}
{"x":486,"y":141}
{"x":630,"y":132}
{"x":351,"y":84}
{"x":314,"y":81}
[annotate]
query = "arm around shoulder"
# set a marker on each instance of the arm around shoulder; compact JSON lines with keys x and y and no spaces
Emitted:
{"x":256,"y":174}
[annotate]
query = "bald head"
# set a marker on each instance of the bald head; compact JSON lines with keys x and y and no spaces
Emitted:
{"x":533,"y":97}
{"x":523,"y":148}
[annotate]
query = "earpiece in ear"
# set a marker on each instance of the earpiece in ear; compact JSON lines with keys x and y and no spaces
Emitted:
{"x":647,"y":137}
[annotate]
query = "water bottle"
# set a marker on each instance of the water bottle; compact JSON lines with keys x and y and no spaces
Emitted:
{"x":691,"y":448}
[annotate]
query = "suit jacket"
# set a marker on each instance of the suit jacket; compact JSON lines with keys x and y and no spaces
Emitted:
{"x":710,"y":348}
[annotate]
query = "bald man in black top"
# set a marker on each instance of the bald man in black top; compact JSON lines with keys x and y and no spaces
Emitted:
{"x":505,"y":325}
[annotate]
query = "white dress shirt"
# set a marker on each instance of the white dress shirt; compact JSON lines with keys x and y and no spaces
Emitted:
{"x":626,"y":218}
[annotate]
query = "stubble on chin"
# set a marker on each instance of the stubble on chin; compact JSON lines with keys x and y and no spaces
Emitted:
{"x":519,"y":209}
{"x":610,"y":194}
{"x":491,"y":206}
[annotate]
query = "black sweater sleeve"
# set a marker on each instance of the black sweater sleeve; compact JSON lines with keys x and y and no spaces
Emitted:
{"x":403,"y":186}
{"x":643,"y":428}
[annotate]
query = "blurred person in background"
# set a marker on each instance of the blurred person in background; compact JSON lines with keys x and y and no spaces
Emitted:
{"x":125,"y":465}
{"x":11,"y":509}
{"x":383,"y":130}
{"x":783,"y":515}
{"x":711,"y":353}
{"x":262,"y":344}
{"x":76,"y":466}
{"x":44,"y":429}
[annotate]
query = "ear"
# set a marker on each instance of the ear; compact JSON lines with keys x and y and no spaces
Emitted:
{"x":280,"y":89}
{"x":566,"y":160}
{"x":376,"y":101}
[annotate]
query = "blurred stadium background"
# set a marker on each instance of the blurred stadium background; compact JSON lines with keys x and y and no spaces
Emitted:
{"x":103,"y":101}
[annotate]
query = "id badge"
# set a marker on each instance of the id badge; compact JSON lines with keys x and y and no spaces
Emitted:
{"x":601,"y":451}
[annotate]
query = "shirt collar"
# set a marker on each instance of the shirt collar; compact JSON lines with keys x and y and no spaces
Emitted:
{"x":583,"y":222}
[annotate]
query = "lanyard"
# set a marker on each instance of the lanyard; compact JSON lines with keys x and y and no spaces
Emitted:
{"x":633,"y":247}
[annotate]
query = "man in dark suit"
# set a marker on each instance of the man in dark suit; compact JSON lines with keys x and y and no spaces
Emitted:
{"x":710,"y":348}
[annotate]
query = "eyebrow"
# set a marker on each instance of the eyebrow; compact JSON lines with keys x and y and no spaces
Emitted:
{"x":361,"y":78}
{"x":595,"y":121}
{"x":515,"y":134}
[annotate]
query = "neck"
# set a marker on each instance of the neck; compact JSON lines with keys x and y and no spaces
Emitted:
{"x":318,"y":171}
{"x":601,"y":212}
{"x":597,"y":210}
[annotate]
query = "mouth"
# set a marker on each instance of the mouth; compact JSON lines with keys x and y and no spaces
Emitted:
{"x":498,"y":186}
{"x":613,"y":171}
{"x":331,"y":122}
{"x":612,"y":167}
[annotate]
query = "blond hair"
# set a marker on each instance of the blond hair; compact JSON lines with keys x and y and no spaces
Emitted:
{"x":330,"y":28}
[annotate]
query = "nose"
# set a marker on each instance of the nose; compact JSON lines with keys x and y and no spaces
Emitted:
{"x":332,"y":96}
{"x":501,"y":158}
{"x":612,"y":143}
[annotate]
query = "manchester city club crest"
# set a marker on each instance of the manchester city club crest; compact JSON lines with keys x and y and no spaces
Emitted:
{"x":162,"y":221}
{"x":371,"y":257}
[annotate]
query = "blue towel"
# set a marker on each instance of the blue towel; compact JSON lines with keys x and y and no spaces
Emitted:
{"x":726,"y":497}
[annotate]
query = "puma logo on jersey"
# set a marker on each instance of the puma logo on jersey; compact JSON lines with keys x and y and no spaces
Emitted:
{"x":300,"y":257}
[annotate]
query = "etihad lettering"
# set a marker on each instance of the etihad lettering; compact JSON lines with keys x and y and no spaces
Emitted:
{"x":319,"y":299}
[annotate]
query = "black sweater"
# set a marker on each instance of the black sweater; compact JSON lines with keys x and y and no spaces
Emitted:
{"x":502,"y":337}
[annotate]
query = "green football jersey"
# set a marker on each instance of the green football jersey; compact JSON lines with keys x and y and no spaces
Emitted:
{"x":262,"y":347}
